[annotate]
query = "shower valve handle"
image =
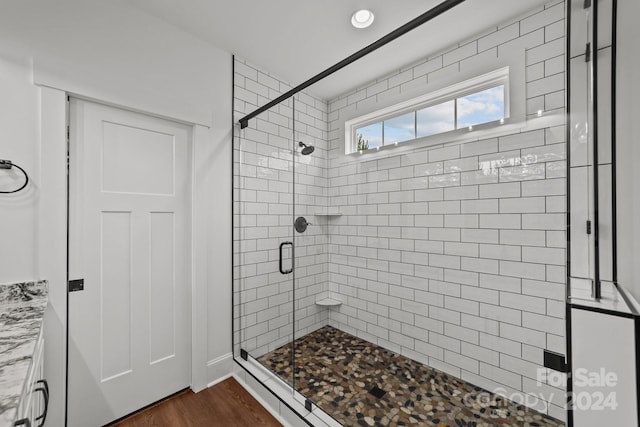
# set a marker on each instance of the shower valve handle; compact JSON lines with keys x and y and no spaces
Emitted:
{"x":301,"y":224}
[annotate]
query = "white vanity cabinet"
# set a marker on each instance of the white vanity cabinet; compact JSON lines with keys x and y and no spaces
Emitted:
{"x":32,"y":409}
{"x":24,"y":393}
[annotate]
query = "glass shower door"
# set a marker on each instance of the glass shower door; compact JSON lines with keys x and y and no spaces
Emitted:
{"x":263,"y":240}
{"x":310,"y":240}
{"x":280,"y":238}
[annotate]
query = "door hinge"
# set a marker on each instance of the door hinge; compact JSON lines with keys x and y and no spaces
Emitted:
{"x":68,"y":133}
{"x":587,"y":53}
{"x":588,"y":226}
{"x":76,"y":285}
{"x":555,"y":361}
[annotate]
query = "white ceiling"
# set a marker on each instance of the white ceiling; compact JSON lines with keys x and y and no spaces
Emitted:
{"x":296,"y":39}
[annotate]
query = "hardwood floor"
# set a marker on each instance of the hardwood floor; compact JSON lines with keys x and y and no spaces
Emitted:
{"x":225,"y":404}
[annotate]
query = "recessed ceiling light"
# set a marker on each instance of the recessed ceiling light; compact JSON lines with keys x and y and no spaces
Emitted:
{"x":362,"y":18}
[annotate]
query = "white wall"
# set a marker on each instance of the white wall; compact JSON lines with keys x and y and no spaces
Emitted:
{"x":113,"y":53}
{"x":19,"y":108}
{"x":627,"y":145}
{"x":219,"y":233}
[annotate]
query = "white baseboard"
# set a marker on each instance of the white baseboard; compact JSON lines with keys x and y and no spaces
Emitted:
{"x":219,"y":369}
{"x":219,"y":380}
{"x":266,"y":405}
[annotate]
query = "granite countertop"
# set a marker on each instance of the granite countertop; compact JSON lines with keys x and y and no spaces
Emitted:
{"x":22,"y":308}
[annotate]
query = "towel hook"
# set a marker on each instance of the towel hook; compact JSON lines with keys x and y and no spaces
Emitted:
{"x":6,"y":164}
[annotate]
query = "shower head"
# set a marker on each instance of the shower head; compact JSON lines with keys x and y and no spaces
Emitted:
{"x":308,"y":149}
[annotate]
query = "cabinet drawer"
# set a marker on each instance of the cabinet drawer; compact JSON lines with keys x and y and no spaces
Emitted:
{"x":35,"y":395}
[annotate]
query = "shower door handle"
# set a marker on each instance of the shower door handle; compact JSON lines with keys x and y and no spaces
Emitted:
{"x":282,"y":245}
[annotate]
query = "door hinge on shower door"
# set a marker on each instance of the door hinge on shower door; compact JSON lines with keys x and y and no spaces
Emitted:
{"x":587,"y":53}
{"x":76,"y":285}
{"x":555,"y":361}
{"x":588,"y":226}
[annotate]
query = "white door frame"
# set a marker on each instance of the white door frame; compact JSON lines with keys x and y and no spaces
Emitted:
{"x":52,"y":251}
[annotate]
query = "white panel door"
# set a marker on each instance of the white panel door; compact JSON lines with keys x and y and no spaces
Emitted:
{"x":129,"y":330}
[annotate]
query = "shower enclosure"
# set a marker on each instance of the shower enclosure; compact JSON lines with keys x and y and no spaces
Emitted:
{"x":280,"y":227}
{"x":280,"y":230}
{"x":428,"y":265}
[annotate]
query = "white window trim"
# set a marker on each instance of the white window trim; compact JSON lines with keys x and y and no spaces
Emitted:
{"x":476,"y":84}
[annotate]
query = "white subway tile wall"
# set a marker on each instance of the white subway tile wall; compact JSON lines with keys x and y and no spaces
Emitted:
{"x":265,"y":207}
{"x":468,"y":239}
{"x":453,"y":255}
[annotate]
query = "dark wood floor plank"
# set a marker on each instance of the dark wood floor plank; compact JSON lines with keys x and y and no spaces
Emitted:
{"x":226,"y":404}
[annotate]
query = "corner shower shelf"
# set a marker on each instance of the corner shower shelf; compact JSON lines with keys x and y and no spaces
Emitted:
{"x":328,"y":302}
{"x":328,"y":212}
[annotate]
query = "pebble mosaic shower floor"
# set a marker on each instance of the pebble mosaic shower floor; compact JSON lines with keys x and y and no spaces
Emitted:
{"x":361,"y":384}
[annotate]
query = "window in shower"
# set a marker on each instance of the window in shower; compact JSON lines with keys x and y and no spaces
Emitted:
{"x":372,"y":134}
{"x":400,"y":128}
{"x":436,"y":119}
{"x":480,"y":107}
{"x":482,"y":100}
